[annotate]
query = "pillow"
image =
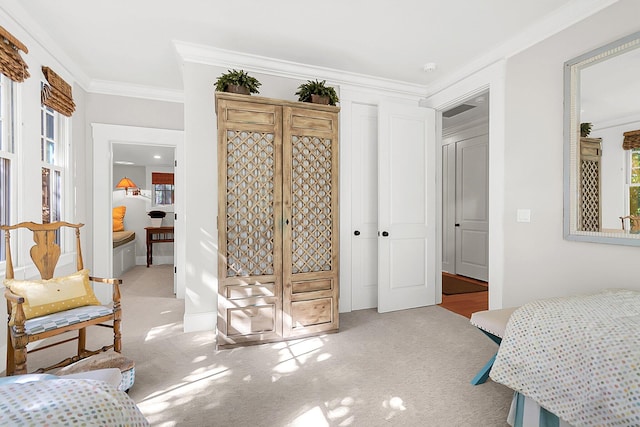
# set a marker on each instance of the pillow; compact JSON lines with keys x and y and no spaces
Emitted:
{"x":118,"y":218}
{"x":52,"y":295}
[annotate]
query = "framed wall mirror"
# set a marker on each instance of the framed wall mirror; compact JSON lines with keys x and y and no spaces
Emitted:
{"x":602,"y":144}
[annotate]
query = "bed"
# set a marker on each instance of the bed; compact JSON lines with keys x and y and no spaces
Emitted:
{"x":59,"y":401}
{"x":573,"y":361}
{"x":124,"y":251}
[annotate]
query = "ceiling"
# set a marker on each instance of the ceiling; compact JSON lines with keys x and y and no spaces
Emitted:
{"x":132,"y":42}
{"x":143,"y":155}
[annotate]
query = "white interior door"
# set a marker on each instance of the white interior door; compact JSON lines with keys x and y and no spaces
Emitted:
{"x":406,"y":207}
{"x":364,"y":207}
{"x":472,"y":208}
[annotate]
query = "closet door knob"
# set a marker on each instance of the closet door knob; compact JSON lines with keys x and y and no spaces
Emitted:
{"x":385,"y":234}
{"x":356,"y":233}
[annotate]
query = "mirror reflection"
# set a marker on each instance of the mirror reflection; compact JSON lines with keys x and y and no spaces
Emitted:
{"x":602,"y":131}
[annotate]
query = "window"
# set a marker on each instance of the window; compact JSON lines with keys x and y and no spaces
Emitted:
{"x":52,"y":151}
{"x":634,"y":182}
{"x":7,"y":154}
{"x":162,"y":187}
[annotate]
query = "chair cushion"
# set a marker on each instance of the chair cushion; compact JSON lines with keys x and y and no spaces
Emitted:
{"x":65,"y":318}
{"x":43,"y":297}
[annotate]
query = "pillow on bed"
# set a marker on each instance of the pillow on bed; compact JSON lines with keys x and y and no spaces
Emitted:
{"x":52,"y":295}
{"x":118,"y":218}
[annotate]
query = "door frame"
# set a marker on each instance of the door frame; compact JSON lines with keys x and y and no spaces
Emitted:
{"x":491,"y":79}
{"x":104,"y":135}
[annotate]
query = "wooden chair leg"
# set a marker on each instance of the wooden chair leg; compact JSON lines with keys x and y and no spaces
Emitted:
{"x":117,"y":338}
{"x":11,"y":361}
{"x":82,"y":342}
{"x":19,"y":350}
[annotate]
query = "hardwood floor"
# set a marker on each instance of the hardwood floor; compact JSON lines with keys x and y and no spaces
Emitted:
{"x":465,"y":304}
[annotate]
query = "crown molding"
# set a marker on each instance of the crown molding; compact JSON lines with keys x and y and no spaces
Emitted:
{"x":16,"y":13}
{"x":106,"y":87}
{"x":567,"y":15}
{"x":207,"y":55}
{"x":557,"y":21}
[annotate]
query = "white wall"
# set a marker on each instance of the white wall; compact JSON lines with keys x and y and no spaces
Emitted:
{"x":120,"y":110}
{"x":201,"y":197}
{"x":538,"y":263}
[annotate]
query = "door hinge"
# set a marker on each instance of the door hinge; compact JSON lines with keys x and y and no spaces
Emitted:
{"x":175,"y":216}
{"x":175,"y":163}
{"x":175,"y":270}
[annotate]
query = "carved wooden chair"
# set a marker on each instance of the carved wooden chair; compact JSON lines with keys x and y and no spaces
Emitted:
{"x":45,"y":308}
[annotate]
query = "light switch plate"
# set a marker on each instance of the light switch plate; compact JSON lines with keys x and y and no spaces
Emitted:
{"x":523,"y":215}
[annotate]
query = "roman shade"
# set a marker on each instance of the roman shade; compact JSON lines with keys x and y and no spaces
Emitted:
{"x":11,"y":63}
{"x":631,"y":140}
{"x":57,"y":93}
{"x":161,"y":178}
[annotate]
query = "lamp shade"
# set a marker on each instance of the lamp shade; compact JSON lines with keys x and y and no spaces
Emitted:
{"x":126,"y":183}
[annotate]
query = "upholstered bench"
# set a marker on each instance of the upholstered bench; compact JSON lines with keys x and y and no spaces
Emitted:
{"x":493,"y":324}
{"x":108,"y":359}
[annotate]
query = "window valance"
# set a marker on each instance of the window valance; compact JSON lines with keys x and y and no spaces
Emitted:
{"x":11,"y":63}
{"x":57,"y":93}
{"x":631,"y":140}
{"x":161,"y":178}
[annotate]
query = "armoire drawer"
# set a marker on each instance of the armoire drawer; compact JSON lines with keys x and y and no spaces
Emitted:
{"x":252,"y":319}
{"x":248,"y":291}
{"x":311,"y":286}
{"x":311,"y":312}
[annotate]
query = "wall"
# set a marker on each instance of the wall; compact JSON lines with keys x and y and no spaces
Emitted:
{"x":120,"y":110}
{"x":538,"y":262}
{"x":201,"y":198}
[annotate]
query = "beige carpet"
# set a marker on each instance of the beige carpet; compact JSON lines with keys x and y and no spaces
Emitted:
{"x":408,"y":368}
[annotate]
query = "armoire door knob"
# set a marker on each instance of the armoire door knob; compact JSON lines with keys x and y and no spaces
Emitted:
{"x":356,"y":233}
{"x":385,"y":234}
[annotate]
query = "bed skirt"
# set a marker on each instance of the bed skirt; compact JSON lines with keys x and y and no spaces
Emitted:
{"x":525,"y":412}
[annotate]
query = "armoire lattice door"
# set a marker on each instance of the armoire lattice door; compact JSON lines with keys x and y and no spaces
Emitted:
{"x":590,"y":183}
{"x":278,"y":219}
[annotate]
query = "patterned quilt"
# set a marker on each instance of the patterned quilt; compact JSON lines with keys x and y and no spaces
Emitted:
{"x":67,"y":402}
{"x":578,"y":357}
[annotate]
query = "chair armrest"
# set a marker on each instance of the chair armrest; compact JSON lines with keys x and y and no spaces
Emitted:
{"x":103,"y":280}
{"x":10,"y":296}
{"x":116,"y":287}
{"x":18,"y":317}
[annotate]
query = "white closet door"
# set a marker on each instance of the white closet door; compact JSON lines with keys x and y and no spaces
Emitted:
{"x":364,"y":207}
{"x":406,"y":207}
{"x":472,"y":208}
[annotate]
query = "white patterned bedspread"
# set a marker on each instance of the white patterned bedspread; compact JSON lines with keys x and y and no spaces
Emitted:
{"x":578,"y":357}
{"x":67,"y":402}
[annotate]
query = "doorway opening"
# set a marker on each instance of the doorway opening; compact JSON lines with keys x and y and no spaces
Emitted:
{"x":146,"y":206}
{"x":105,"y":137}
{"x":465,"y":205}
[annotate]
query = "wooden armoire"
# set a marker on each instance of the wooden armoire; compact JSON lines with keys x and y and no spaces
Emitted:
{"x":277,"y":219}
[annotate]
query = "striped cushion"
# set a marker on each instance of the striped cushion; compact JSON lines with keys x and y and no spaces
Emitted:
{"x":65,"y":318}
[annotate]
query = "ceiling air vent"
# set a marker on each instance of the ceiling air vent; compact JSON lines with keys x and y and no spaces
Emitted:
{"x":457,"y":110}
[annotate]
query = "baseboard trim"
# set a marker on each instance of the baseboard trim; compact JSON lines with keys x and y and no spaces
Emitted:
{"x":200,"y":322}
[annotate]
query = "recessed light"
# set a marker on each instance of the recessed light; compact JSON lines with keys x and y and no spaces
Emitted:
{"x":123,"y":162}
{"x":157,"y":156}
